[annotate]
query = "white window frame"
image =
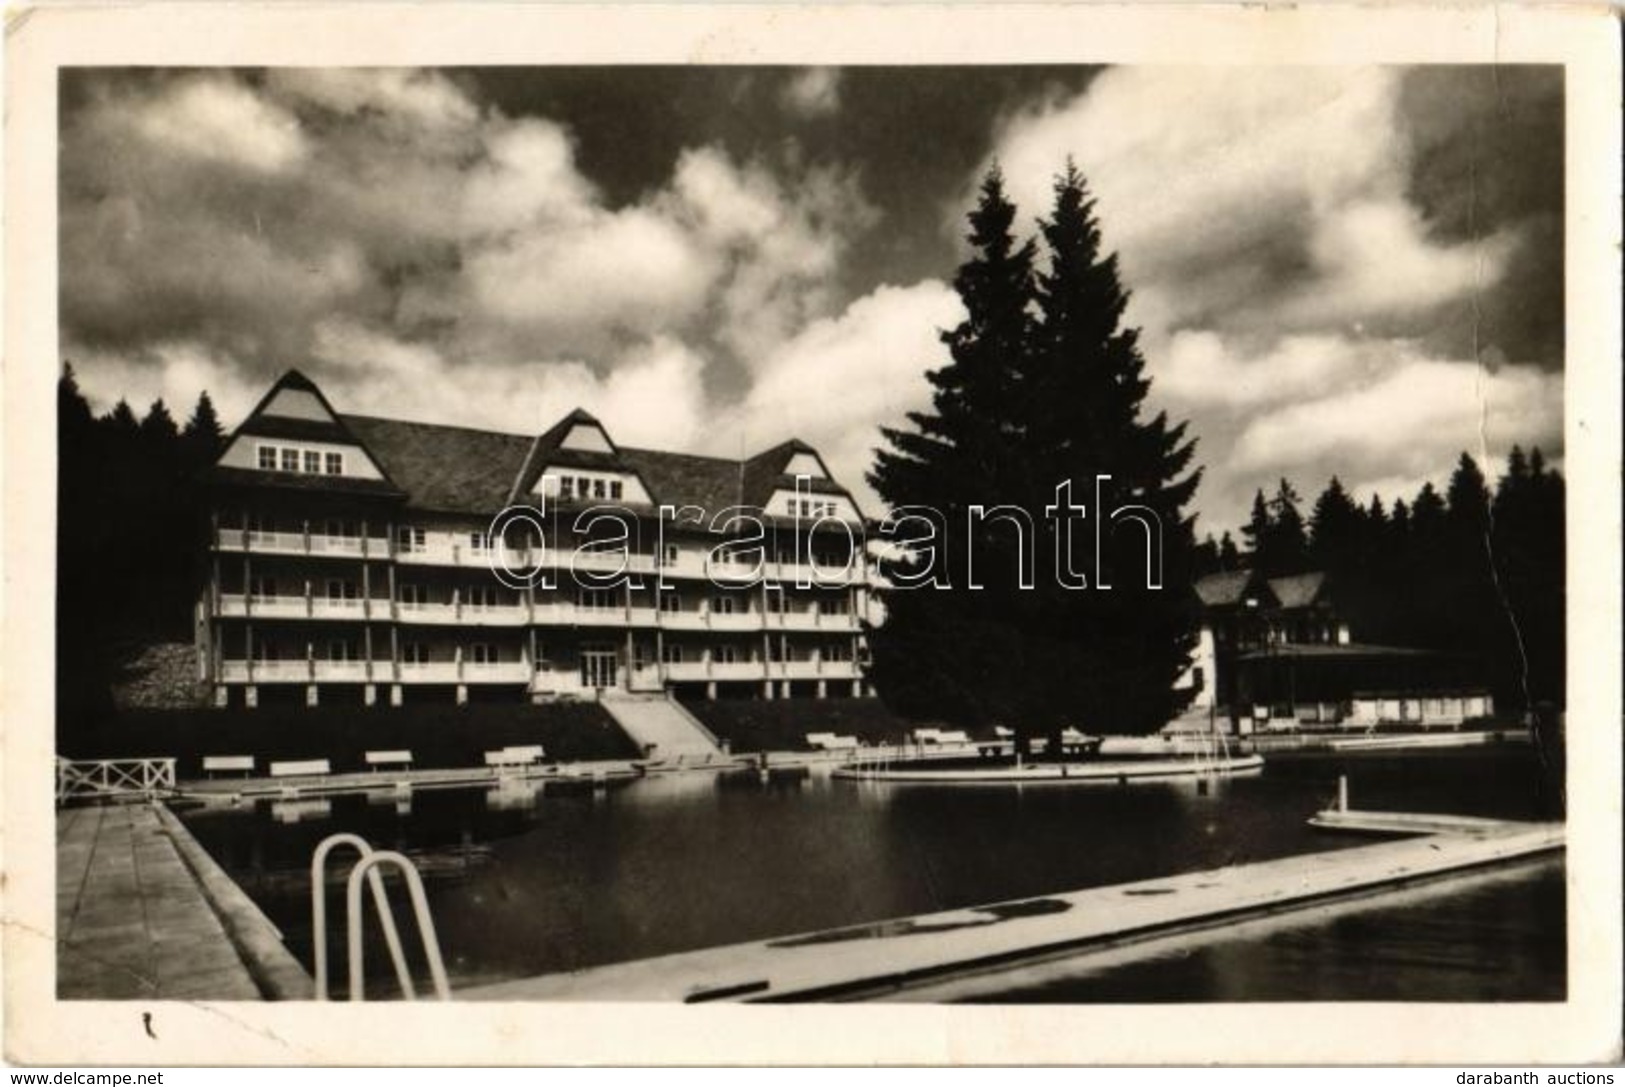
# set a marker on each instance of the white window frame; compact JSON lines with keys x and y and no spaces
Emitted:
{"x":333,"y":463}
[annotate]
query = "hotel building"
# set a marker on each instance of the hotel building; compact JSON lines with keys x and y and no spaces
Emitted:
{"x":352,"y":560}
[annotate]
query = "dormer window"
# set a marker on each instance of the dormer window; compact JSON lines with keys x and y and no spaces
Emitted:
{"x":313,"y":462}
{"x":267,"y":458}
{"x":567,"y":488}
{"x":290,"y":460}
{"x":335,"y":464}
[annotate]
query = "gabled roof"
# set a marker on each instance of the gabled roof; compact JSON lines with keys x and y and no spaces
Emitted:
{"x":548,"y":449}
{"x":333,"y":429}
{"x":684,"y":479}
{"x":453,"y":469}
{"x":1227,"y":589}
{"x":1299,"y":590}
{"x":445,"y":468}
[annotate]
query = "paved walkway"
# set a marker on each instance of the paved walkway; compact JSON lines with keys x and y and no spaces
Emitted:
{"x":132,"y":921}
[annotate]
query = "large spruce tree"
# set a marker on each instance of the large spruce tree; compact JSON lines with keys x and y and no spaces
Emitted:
{"x":1043,"y":386}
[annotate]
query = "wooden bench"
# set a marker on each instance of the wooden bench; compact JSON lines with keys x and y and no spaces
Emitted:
{"x":375,"y":759}
{"x":829,"y":741}
{"x":301,"y":768}
{"x":927,"y":736}
{"x":237,"y":764}
{"x":514,"y":756}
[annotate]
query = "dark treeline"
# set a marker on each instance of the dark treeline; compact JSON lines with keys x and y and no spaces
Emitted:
{"x":1475,"y":570}
{"x":129,"y":535}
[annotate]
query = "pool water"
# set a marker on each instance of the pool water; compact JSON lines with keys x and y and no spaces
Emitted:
{"x":530,"y":879}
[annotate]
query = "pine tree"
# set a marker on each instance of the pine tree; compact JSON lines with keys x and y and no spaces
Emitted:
{"x":1229,"y":557}
{"x":159,"y":427}
{"x":1335,"y":530}
{"x":1022,"y":406}
{"x":931,"y":656}
{"x":1467,"y":498}
{"x":121,"y":421}
{"x":1256,"y":532}
{"x":1399,"y":525}
{"x":1205,"y":560}
{"x":1288,"y":548}
{"x":203,"y":435}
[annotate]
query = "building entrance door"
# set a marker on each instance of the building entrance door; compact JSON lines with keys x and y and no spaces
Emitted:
{"x":598,"y":666}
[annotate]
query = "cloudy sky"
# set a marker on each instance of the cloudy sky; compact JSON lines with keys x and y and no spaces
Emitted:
{"x":1337,"y":270}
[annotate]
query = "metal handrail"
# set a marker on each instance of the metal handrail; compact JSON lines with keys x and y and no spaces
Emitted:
{"x":318,"y":912}
{"x":420,"y":907}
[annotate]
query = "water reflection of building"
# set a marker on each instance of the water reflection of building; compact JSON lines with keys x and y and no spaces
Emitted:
{"x":351,"y":563}
{"x":1277,"y":653}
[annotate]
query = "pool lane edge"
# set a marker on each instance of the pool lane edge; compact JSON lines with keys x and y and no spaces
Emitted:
{"x":258,"y":942}
{"x":883,"y":958}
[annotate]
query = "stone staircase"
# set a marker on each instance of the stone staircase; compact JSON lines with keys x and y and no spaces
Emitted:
{"x":656,"y":723}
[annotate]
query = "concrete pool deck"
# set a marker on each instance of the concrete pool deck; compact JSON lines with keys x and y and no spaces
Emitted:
{"x":870,"y":960}
{"x":143,"y":913}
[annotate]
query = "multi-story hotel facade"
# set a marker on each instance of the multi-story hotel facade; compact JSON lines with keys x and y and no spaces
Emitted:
{"x":369,"y":561}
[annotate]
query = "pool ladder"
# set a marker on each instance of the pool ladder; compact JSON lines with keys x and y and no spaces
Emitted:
{"x":367,"y":868}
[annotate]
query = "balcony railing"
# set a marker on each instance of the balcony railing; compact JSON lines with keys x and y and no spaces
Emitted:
{"x":475,"y":615}
{"x":415,"y":612}
{"x":809,"y":620}
{"x":689,"y":671}
{"x":496,"y":672}
{"x":235,"y":605}
{"x":300,"y":543}
{"x":428,"y":672}
{"x":572,"y":615}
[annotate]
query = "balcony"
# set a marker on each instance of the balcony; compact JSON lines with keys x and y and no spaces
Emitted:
{"x":693,"y":671}
{"x":813,"y":669}
{"x":300,"y":543}
{"x":711,"y":620}
{"x":811,"y":620}
{"x":415,"y":612}
{"x":465,"y":672}
{"x":694,"y":564}
{"x":444,"y":551}
{"x":806,"y":573}
{"x":343,"y":671}
{"x":496,"y":672}
{"x":428,"y":672}
{"x":735,"y":621}
{"x":494,"y":615}
{"x":571,"y":615}
{"x":258,"y":671}
{"x":237,"y":606}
